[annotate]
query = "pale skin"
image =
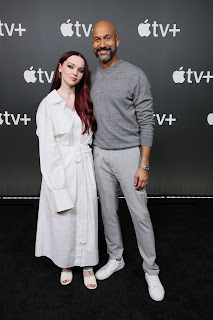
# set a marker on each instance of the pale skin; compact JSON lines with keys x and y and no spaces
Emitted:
{"x":105,"y":36}
{"x":72,"y":71}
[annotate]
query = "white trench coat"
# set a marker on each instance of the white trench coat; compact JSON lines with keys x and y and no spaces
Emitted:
{"x":68,"y":183}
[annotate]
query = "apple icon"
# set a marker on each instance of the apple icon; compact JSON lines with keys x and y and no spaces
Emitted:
{"x":178,"y":76}
{"x":210,"y":119}
{"x":29,"y":75}
{"x":143,"y":29}
{"x":1,"y":120}
{"x":66,"y":29}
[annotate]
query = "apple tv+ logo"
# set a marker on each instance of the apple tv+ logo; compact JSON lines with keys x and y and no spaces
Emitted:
{"x":7,"y":29}
{"x":10,"y":118}
{"x":162,"y":119}
{"x":157,"y":29}
{"x":31,"y":76}
{"x":190,"y":76}
{"x":79,"y":29}
{"x":210,"y":119}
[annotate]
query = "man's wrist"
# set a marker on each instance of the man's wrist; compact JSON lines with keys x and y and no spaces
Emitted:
{"x":145,"y":167}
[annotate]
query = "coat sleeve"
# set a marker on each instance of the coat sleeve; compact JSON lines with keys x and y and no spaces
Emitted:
{"x":51,"y":161}
{"x":142,"y":98}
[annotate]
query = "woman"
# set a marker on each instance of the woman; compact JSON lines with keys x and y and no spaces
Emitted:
{"x":67,"y":220}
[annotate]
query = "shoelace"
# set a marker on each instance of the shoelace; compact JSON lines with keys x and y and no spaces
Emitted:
{"x":110,"y":263}
{"x":154,"y":281}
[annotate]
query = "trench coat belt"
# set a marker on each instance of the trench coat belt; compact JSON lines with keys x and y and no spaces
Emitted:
{"x":81,"y":149}
{"x":81,"y":152}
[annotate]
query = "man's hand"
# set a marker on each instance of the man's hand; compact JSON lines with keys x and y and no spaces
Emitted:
{"x":141,"y":179}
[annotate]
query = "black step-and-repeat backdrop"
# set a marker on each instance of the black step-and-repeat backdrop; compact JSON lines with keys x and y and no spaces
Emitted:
{"x":170,"y":40}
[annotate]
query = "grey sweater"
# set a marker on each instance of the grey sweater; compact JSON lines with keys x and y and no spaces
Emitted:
{"x":122,"y":102}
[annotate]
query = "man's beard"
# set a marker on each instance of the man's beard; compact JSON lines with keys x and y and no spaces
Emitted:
{"x":110,"y":56}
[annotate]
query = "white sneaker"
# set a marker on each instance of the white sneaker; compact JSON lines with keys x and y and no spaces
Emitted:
{"x":156,"y":290}
{"x":109,"y":268}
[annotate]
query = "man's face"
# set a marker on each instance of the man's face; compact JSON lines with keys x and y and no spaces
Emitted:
{"x":105,"y":43}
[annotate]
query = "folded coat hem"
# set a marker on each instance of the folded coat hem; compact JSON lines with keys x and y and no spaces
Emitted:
{"x":68,"y":266}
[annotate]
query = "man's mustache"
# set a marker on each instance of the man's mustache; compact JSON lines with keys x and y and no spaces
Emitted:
{"x":103,"y":48}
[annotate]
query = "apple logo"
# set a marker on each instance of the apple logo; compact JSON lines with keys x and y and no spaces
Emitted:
{"x":29,"y":75}
{"x":178,"y":76}
{"x":210,"y":119}
{"x":1,"y":121}
{"x":66,"y":29}
{"x":143,"y":29}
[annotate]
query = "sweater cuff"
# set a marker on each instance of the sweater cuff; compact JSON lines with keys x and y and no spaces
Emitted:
{"x":63,"y":200}
{"x":146,"y":140}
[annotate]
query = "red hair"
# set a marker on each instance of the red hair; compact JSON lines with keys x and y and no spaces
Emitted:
{"x":83,"y":103}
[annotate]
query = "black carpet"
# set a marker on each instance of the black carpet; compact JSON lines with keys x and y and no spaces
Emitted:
{"x":30,"y":287}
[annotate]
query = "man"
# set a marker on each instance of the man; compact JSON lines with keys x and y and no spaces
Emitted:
{"x":123,"y":109}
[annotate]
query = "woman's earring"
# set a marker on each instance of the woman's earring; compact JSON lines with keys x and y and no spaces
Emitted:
{"x":59,"y":75}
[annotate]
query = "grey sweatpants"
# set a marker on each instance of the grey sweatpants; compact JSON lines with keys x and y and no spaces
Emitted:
{"x":114,"y":167}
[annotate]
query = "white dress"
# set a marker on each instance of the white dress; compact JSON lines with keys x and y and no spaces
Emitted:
{"x":68,"y":183}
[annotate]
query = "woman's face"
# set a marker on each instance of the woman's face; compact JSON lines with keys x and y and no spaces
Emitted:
{"x":72,"y":70}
